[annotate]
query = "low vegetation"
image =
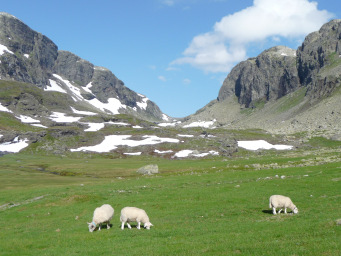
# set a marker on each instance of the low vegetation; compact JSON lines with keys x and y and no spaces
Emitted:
{"x":212,"y":206}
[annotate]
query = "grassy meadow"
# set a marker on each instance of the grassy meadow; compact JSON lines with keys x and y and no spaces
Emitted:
{"x":213,"y":206}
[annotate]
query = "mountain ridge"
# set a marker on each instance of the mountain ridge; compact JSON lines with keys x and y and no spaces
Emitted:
{"x":284,"y":90}
{"x":30,"y":57}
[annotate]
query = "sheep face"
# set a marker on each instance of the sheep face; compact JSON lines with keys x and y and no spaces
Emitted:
{"x":295,"y":210}
{"x":147,"y":225}
{"x":92,"y":226}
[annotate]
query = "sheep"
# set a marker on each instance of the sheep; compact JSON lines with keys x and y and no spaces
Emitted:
{"x":278,"y":201}
{"x":129,"y":214}
{"x":102,"y":214}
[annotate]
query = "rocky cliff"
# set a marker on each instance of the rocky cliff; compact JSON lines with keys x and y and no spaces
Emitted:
{"x":269,"y":76}
{"x":284,"y":90}
{"x":30,"y":57}
{"x":319,"y":60}
{"x":279,"y":70}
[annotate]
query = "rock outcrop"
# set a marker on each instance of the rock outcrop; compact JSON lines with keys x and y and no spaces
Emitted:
{"x":278,"y":71}
{"x":319,"y":60}
{"x":30,"y":57}
{"x":283,"y":90}
{"x":269,"y":76}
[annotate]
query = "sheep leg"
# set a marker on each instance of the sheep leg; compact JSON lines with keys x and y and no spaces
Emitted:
{"x":274,"y":210}
{"x":138,"y":225}
{"x":128,"y":225}
{"x":99,"y":227}
{"x":122,"y":226}
{"x":280,"y":210}
{"x":285,"y":210}
{"x":108,"y":224}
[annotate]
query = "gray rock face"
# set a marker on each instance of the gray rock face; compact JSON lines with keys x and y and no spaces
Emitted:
{"x":33,"y":58}
{"x":149,"y":169}
{"x":33,"y":53}
{"x":73,"y":68}
{"x":319,"y":60}
{"x":274,"y":73}
{"x":270,"y":76}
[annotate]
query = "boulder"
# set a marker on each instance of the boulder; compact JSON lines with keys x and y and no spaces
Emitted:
{"x":149,"y":169}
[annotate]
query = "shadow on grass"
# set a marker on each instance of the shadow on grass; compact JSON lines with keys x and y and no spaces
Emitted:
{"x":267,"y":211}
{"x":103,"y":226}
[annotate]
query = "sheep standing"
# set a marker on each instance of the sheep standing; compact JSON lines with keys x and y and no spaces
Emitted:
{"x":278,"y":201}
{"x":102,"y":214}
{"x":129,"y":214}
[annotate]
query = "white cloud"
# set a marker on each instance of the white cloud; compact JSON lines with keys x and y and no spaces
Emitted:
{"x":168,"y":2}
{"x":219,"y":50}
{"x":162,"y":78}
{"x":187,"y":81}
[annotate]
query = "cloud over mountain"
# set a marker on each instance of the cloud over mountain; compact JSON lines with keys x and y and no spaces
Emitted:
{"x":220,"y":49}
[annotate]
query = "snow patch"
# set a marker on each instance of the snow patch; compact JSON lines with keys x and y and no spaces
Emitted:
{"x":86,"y":113}
{"x":163,"y":152}
{"x":133,"y":154}
{"x":117,"y":123}
{"x":165,"y":117}
{"x":27,"y":119}
{"x":94,"y":127}
{"x":62,"y":118}
{"x":261,"y":144}
{"x":4,"y":109}
{"x":54,"y":87}
{"x":204,"y":124}
{"x":143,"y":104}
{"x":111,"y":142}
{"x":169,"y":124}
{"x":14,"y":146}
{"x":87,"y":88}
{"x":76,"y":91}
{"x":4,"y":49}
{"x":39,"y":125}
{"x":186,"y":135}
{"x":113,"y":105}
{"x":187,"y":153}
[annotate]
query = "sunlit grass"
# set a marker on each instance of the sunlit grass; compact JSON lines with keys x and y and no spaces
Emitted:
{"x":211,"y":206}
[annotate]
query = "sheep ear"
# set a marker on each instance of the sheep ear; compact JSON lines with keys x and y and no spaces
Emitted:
{"x":88,"y":223}
{"x":151,"y":224}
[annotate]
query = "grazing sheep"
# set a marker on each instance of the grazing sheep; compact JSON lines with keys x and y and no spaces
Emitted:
{"x":102,"y":214}
{"x":129,"y":214}
{"x":278,"y":201}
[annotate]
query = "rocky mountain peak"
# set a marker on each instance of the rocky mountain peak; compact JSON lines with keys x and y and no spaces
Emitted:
{"x":30,"y":57}
{"x":319,"y":60}
{"x":269,"y":76}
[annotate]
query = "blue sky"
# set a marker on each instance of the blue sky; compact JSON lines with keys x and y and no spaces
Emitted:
{"x":175,"y":52}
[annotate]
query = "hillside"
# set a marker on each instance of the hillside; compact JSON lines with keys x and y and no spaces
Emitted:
{"x":29,"y":57}
{"x":283,"y":90}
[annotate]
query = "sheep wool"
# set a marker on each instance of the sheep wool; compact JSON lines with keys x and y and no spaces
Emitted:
{"x":133,"y":214}
{"x":279,"y":201}
{"x":102,"y":214}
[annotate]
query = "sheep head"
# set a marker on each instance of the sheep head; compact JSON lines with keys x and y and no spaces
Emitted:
{"x":92,"y":226}
{"x":147,"y":225}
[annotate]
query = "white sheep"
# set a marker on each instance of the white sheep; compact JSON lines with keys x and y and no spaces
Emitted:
{"x":278,"y":201}
{"x":102,"y":214}
{"x":129,"y":214}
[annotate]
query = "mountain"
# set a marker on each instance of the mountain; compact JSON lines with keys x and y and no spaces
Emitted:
{"x":284,"y":90}
{"x":29,"y":57}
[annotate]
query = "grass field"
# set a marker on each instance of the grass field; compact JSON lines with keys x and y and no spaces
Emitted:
{"x":215,"y":206}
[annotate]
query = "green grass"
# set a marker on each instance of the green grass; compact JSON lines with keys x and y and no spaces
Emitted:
{"x":210,"y":206}
{"x":292,"y":100}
